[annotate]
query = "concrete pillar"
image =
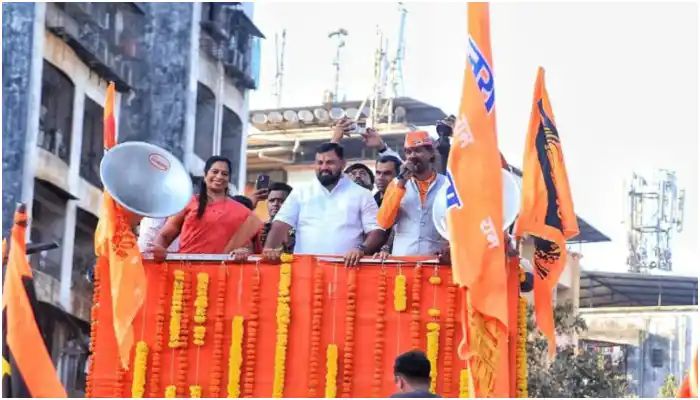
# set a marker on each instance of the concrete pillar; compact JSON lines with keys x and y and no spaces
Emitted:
{"x":156,"y":111}
{"x":22,"y":45}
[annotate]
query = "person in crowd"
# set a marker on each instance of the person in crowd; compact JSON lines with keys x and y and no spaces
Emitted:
{"x":248,"y":203}
{"x":278,"y":193}
{"x":360,"y":174}
{"x":331,"y":215}
{"x":408,"y":202}
{"x":387,"y":168}
{"x":148,"y":231}
{"x":212,"y":222}
{"x":412,"y":375}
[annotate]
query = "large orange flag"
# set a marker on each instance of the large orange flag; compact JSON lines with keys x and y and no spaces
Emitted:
{"x":115,"y":241}
{"x":475,"y":216}
{"x":547,"y":210}
{"x":27,"y":369}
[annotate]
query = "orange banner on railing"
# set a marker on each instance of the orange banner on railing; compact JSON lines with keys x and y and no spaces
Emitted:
{"x":367,"y":312}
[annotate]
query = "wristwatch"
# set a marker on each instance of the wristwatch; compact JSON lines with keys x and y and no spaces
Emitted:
{"x":362,"y":248}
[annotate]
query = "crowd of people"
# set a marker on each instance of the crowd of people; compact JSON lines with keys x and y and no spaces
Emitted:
{"x":348,"y":210}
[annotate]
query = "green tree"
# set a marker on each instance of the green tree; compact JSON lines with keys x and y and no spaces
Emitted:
{"x":669,"y":388}
{"x":571,"y":373}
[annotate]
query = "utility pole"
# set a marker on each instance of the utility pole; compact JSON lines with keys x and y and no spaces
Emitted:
{"x":279,"y":66}
{"x":339,"y":35}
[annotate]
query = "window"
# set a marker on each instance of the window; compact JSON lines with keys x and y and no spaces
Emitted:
{"x":84,"y":250}
{"x":657,"y":358}
{"x":48,"y":225}
{"x":56,"y":116}
{"x":204,"y":122}
{"x":231,"y":131}
{"x":92,"y":148}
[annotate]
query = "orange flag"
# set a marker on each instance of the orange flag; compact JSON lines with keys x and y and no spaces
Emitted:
{"x":115,"y":240}
{"x":475,"y":216}
{"x":26,"y":362}
{"x":689,"y":386}
{"x":546,"y":210}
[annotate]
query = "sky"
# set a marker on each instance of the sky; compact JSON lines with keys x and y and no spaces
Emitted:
{"x":622,"y":79}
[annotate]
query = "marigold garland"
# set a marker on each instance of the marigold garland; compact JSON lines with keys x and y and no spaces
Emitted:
{"x":251,"y":339}
{"x":415,"y":308}
{"x":349,"y":347}
{"x":218,"y":337}
{"x":140,"y":360}
{"x":521,"y":350}
{"x":200,"y":308}
{"x":94,"y":311}
{"x":170,"y":391}
{"x":235,"y":358}
{"x":154,"y":373}
{"x":448,"y":353}
{"x":435,"y":280}
{"x":195,"y":391}
{"x":283,"y":318}
{"x":316,"y":327}
{"x":331,"y":370}
{"x":181,"y":351}
{"x":377,"y":378}
{"x":176,"y":307}
{"x":466,"y":385}
{"x":400,"y":293}
{"x":433,"y":339}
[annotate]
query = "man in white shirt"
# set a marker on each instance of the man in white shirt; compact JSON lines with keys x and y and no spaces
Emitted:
{"x":148,"y":230}
{"x":331,"y":215}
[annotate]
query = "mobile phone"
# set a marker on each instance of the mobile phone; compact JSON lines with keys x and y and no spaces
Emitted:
{"x":263,"y":182}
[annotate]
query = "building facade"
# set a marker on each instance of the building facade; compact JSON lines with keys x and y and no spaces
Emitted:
{"x":182,"y":71}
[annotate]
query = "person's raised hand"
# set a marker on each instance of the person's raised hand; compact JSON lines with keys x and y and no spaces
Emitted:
{"x":258,"y":196}
{"x":340,"y":129}
{"x":372,"y":139}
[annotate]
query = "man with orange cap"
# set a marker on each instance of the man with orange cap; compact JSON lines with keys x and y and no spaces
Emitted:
{"x":408,"y":202}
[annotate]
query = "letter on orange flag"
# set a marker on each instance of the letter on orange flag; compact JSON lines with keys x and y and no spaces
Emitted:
{"x":475,"y":215}
{"x":26,"y":362}
{"x":115,"y":240}
{"x":547,"y":210}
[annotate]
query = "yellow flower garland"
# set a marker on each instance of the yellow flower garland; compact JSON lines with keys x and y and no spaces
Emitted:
{"x":195,"y":391}
{"x":433,"y":337}
{"x":331,"y":370}
{"x":170,"y":391}
{"x":435,"y":280}
{"x":235,"y":358}
{"x":176,"y":307}
{"x":201,"y":301}
{"x":283,"y":319}
{"x":466,"y":384}
{"x":400,"y":293}
{"x":140,"y":359}
{"x":521,"y":350}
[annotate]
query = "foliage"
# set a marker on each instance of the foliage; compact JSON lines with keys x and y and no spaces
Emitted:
{"x":572,"y":373}
{"x":669,"y":388}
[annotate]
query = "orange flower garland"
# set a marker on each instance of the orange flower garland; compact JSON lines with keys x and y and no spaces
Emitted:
{"x":349,"y":347}
{"x":218,"y":337}
{"x":415,"y":308}
{"x":521,"y":350}
{"x":154,"y":373}
{"x":378,"y":377}
{"x":89,"y":384}
{"x":119,"y":383}
{"x":283,"y":319}
{"x":316,"y":326}
{"x":449,"y":351}
{"x":181,"y":351}
{"x":251,"y":339}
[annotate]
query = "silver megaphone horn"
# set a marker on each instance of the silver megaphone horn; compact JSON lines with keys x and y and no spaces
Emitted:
{"x":146,"y":179}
